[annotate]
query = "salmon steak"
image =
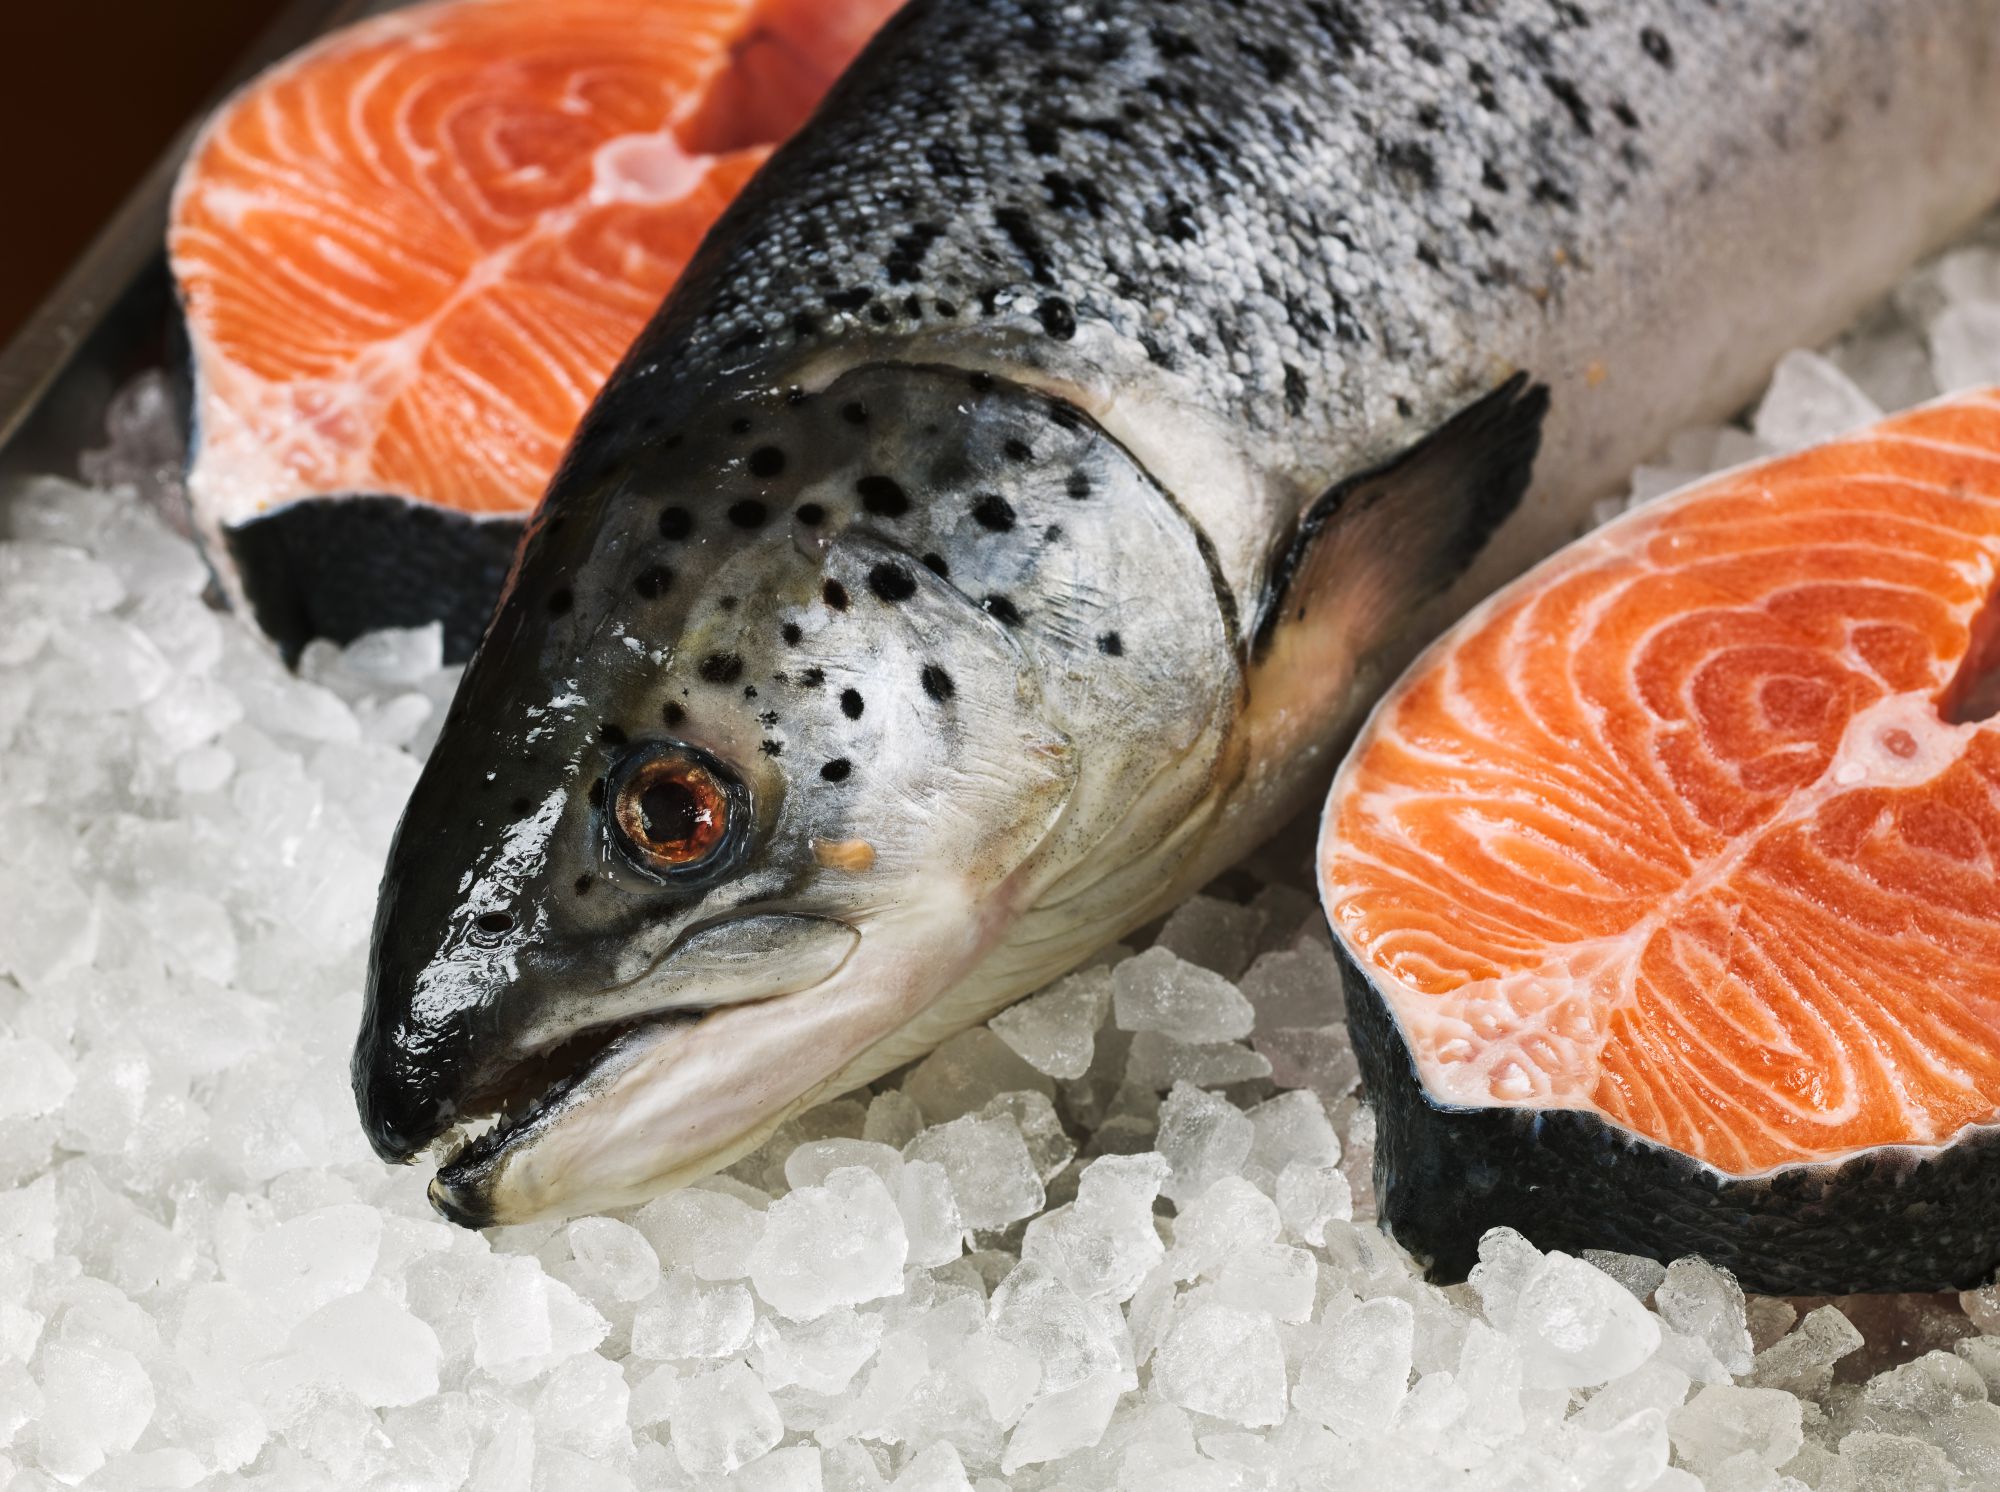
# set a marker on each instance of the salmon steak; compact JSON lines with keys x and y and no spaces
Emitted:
{"x":411,"y":254}
{"x":1667,"y":883}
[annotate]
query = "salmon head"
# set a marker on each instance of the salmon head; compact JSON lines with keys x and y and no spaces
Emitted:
{"x":812,"y":732}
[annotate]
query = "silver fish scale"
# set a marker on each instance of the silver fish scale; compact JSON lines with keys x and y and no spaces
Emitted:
{"x":1290,"y":212}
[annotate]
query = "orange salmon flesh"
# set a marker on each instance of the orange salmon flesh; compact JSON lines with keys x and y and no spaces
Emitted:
{"x":1697,"y":826}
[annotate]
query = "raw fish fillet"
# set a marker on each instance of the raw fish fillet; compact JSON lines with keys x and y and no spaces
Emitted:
{"x":1695,"y":829}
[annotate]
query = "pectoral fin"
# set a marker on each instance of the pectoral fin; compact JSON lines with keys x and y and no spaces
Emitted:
{"x":1381,"y":543}
{"x":1367,"y":555}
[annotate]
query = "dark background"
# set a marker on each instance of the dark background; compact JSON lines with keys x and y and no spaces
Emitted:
{"x":91,"y":91}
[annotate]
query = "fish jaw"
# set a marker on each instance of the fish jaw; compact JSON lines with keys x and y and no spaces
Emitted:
{"x":682,"y":1095}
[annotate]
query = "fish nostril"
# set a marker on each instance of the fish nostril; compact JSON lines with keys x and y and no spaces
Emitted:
{"x":494,"y":922}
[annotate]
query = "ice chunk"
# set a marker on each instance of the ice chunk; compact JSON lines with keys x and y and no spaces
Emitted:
{"x":319,"y":1256}
{"x":937,"y":1468}
{"x":1724,"y":1421}
{"x":524,"y":1322}
{"x":821,"y":1356}
{"x":1227,"y":1219}
{"x":991,"y":1172}
{"x":97,"y":1402}
{"x":1296,"y":986}
{"x":1068,"y":1420}
{"x":371,"y":1347}
{"x":585,"y":1406}
{"x":723,"y":1419}
{"x":1224,"y":1362}
{"x":1310,"y":1197}
{"x":1872,"y":1462}
{"x":689,"y":1317}
{"x":814,"y":1161}
{"x":1049,"y":1145}
{"x":1102,"y":1244}
{"x":1506,"y":1261}
{"x":1274,"y":1278}
{"x":1157,"y":1062}
{"x":710,"y":1232}
{"x":1320,"y":1058}
{"x":1204,"y":1139}
{"x":1965,"y":345}
{"x":1292,"y":1127}
{"x":1354,"y":1378}
{"x":1070,"y":1338}
{"x":839,"y":1243}
{"x":34,"y":1077}
{"x":1706,"y":1304}
{"x":612,"y":1258}
{"x":1635,"y":1272}
{"x":1809,"y":401}
{"x":967,"y":1072}
{"x":1158,"y":991}
{"x":792,"y":1468}
{"x":1802,"y":1361}
{"x":1577,"y":1327}
{"x":1056,"y":1031}
{"x":893,"y":1119}
{"x":930,"y":1214}
{"x":1216,"y":934}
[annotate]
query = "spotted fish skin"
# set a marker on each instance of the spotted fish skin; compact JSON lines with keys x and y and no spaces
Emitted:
{"x":1010,"y":498}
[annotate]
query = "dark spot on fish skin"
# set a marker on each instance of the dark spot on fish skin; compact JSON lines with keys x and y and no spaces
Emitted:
{"x":597,"y":793}
{"x":748,"y":513}
{"x":1656,"y":46}
{"x":879,"y":314}
{"x":1002,"y":611}
{"x":740,"y":425}
{"x":676,"y":523}
{"x":1547,"y":191}
{"x":651,"y":583}
{"x":791,"y":633}
{"x":1295,"y":392}
{"x":770,"y":747}
{"x":1404,"y":407}
{"x":770,"y":717}
{"x":672,"y":713}
{"x":854,"y":412}
{"x":834,"y":594}
{"x":1068,"y":416}
{"x":561,"y":599}
{"x":1411,"y":161}
{"x":836,"y":770}
{"x":812,"y":515}
{"x":728,"y":603}
{"x":1567,"y":95}
{"x":937,"y":683}
{"x":812,"y":678}
{"x":1041,"y":137}
{"x":1491,"y":179}
{"x":767,"y":461}
{"x":1478,"y":222}
{"x":1111,"y":645}
{"x":982,"y":382}
{"x":994,"y":512}
{"x":1018,"y":450}
{"x":946,"y":310}
{"x":1052,"y":533}
{"x":804,"y":326}
{"x":850,"y":300}
{"x":1057,"y":319}
{"x":891,"y":582}
{"x":611,"y":735}
{"x":882,"y":496}
{"x":935,"y":563}
{"x":1794,"y":37}
{"x":749,"y":691}
{"x":1079,"y":485}
{"x":721,"y":668}
{"x":1427,"y":255}
{"x":582,"y":885}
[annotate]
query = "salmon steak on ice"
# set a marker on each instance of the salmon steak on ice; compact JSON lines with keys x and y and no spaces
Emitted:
{"x":1668,"y":882}
{"x":410,"y":254}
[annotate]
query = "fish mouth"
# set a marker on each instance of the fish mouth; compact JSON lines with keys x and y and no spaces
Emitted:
{"x":557,"y":1082}
{"x":525,"y":1098}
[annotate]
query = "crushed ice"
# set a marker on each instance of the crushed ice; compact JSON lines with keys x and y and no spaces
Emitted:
{"x":1121,"y":1238}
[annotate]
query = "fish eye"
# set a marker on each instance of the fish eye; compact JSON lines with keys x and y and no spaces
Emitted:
{"x":673,"y":810}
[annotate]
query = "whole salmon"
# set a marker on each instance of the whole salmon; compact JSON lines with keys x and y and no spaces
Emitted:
{"x":997,"y":530}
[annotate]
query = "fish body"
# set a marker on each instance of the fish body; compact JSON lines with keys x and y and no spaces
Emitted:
{"x":1677,"y":932}
{"x":998,"y":529}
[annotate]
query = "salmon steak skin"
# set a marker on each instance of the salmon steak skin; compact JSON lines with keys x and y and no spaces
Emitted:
{"x":1667,"y":883}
